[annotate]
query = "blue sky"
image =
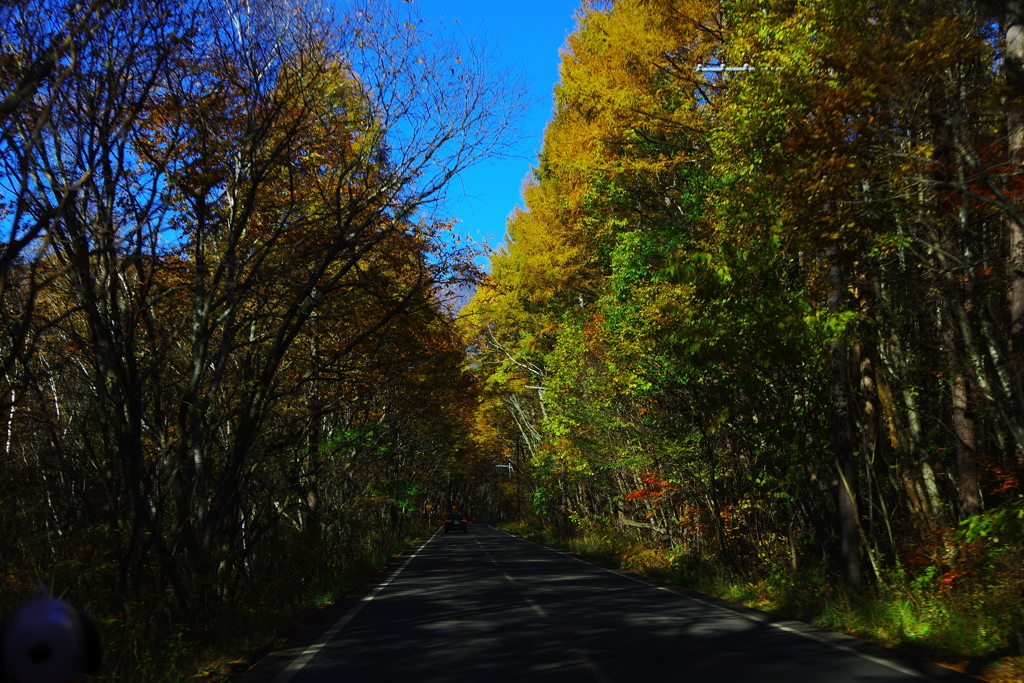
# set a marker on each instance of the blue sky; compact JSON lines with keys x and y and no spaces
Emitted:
{"x":527,"y":35}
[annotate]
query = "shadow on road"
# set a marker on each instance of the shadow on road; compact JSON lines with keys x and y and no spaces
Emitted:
{"x":488,"y":607}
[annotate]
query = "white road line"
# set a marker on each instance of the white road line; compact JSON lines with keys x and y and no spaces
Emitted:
{"x":536,"y":608}
{"x":529,"y":601}
{"x":845,"y":648}
{"x":488,"y":554}
{"x":599,"y":675}
{"x":303,"y":659}
{"x":810,"y":636}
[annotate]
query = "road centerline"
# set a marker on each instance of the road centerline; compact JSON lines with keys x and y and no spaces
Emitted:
{"x":536,"y":608}
{"x":590,"y":665}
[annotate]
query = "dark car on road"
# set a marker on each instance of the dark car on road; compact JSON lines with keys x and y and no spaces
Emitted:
{"x":456,"y":522}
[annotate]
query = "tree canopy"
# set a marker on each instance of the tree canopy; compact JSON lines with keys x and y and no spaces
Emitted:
{"x":766,"y":274}
{"x":229,"y":376}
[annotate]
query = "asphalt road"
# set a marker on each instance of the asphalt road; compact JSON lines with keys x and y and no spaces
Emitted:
{"x":488,"y":607}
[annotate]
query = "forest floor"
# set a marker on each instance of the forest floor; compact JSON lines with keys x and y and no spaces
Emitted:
{"x":898,"y":620}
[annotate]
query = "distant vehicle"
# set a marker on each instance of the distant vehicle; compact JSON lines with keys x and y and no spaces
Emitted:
{"x":456,"y":522}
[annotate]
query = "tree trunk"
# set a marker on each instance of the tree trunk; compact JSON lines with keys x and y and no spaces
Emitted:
{"x":966,"y":464}
{"x":871,"y":414}
{"x":1014,"y":66}
{"x":1014,"y":69}
{"x":963,"y":422}
{"x":842,"y":432}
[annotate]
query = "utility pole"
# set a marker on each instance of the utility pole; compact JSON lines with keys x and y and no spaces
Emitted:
{"x":510,"y":467}
{"x":519,"y":497}
{"x":842,"y":428}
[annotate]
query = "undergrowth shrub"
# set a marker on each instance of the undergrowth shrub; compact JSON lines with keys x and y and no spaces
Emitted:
{"x":144,"y":642}
{"x":971,"y":607}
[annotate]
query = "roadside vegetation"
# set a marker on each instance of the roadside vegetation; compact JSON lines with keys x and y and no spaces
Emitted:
{"x":230,"y":383}
{"x":758,"y":327}
{"x":241,"y":635}
{"x":972,"y":630}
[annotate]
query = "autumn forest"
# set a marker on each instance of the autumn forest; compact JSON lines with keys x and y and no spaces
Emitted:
{"x":757,"y":328}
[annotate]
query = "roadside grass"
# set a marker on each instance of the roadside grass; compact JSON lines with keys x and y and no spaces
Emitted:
{"x":242,"y":634}
{"x":976,"y":627}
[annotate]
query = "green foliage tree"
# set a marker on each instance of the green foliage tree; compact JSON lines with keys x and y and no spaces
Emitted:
{"x":776,"y":329}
